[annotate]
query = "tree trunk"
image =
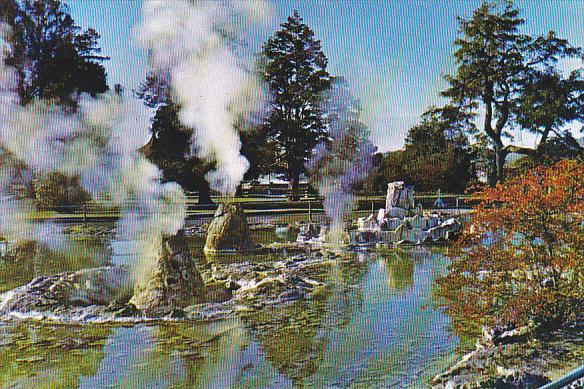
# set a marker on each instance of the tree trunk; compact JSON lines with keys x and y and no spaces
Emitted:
{"x":492,"y":171}
{"x":495,"y":135}
{"x":205,"y":193}
{"x":500,"y":156}
{"x":239,"y":191}
{"x":293,"y":184}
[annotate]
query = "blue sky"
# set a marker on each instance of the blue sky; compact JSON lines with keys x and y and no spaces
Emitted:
{"x":393,"y":52}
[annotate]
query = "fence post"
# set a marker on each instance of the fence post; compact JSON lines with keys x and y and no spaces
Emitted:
{"x":310,"y":211}
{"x":84,"y":214}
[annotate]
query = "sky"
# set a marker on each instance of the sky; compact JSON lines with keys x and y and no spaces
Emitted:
{"x":394,"y":53}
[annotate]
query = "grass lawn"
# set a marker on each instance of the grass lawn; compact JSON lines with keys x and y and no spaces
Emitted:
{"x":99,"y":210}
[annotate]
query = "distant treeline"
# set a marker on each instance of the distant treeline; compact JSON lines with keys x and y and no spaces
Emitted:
{"x":504,"y":79}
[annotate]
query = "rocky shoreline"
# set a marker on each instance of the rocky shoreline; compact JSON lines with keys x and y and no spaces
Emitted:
{"x":525,"y":357}
{"x":102,"y":295}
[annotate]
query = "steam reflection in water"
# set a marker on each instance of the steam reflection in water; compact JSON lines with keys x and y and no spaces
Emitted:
{"x":368,"y":329}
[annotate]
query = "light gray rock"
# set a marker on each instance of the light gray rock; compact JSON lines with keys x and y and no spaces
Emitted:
{"x":400,"y":232}
{"x":365,"y":237}
{"x":401,"y":221}
{"x":97,"y":286}
{"x":397,"y":212}
{"x":447,"y":230}
{"x":415,"y":221}
{"x":399,"y":195}
{"x":367,"y":223}
{"x":394,"y":222}
{"x":380,"y":215}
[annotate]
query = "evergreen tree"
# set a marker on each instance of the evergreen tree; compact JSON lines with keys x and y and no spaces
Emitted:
{"x":170,"y":149}
{"x":55,"y":59}
{"x":169,"y":146}
{"x":295,"y":71}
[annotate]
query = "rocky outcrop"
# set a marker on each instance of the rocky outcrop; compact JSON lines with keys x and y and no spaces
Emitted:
{"x":399,"y":196}
{"x":98,"y":286}
{"x":268,"y":283}
{"x":174,"y":282}
{"x":515,"y":357}
{"x":402,"y":221}
{"x":228,"y":230}
{"x":173,"y":290}
{"x":308,"y":232}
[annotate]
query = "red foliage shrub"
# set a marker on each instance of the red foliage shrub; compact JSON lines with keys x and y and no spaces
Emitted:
{"x":521,"y":259}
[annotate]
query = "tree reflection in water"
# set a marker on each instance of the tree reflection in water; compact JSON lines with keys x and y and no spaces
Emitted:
{"x":294,"y":338}
{"x":400,"y":271}
{"x":35,"y":355}
{"x":366,"y":328}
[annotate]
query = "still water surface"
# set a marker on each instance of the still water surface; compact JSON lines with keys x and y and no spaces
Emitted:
{"x":371,"y":329}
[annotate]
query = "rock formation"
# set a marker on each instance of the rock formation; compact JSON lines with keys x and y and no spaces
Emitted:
{"x":399,"y":196}
{"x":69,"y":289}
{"x":320,"y":234}
{"x":228,"y":230}
{"x":402,"y":221}
{"x":174,"y":282}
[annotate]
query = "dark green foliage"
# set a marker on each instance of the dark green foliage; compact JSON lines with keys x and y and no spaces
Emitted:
{"x":294,"y":68}
{"x":8,"y":10}
{"x":55,"y":60}
{"x":439,"y":129}
{"x":258,"y":150}
{"x":295,"y":71}
{"x":500,"y":69}
{"x":169,"y":148}
{"x":561,"y":146}
{"x":376,"y":182}
{"x":549,"y":100}
{"x":391,"y":168}
{"x":54,"y":57}
{"x":437,"y":153}
{"x":154,"y":91}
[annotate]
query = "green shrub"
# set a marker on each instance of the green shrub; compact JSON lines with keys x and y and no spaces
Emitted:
{"x":55,"y":191}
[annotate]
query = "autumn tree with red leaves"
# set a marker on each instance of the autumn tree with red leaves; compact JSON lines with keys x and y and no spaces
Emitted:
{"x":521,"y":259}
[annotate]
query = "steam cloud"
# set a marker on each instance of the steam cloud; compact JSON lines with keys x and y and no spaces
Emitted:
{"x":98,"y":144}
{"x":344,"y":160}
{"x":195,"y":43}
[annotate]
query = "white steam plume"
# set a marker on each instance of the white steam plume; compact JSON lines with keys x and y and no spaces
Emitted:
{"x":13,"y":211}
{"x":99,"y":145}
{"x":195,"y":42}
{"x":339,"y":164}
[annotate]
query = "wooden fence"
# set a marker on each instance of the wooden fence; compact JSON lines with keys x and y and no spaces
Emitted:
{"x":254,"y":204}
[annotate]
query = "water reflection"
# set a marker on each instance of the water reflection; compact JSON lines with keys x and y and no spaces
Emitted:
{"x":399,"y":269}
{"x":367,"y":328}
{"x":35,"y":356}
